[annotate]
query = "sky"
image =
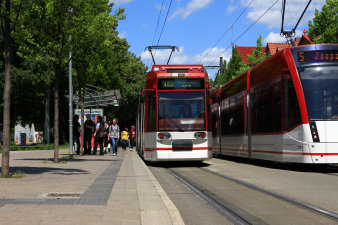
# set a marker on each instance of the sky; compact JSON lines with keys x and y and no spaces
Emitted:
{"x":204,"y":30}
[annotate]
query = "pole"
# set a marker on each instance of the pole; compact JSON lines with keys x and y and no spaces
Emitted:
{"x":70,"y":102}
{"x":46,"y":122}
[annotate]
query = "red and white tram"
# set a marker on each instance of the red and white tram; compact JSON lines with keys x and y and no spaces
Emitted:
{"x":284,"y":109}
{"x":172,"y":122}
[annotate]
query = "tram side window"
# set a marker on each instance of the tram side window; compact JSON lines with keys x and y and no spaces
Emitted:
{"x":263,"y":109}
{"x":291,"y":108}
{"x":152,"y":112}
{"x":277,"y":102}
{"x":232,"y":116}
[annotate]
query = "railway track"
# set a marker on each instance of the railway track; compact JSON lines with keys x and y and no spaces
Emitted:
{"x":241,"y":214}
{"x":327,"y":213}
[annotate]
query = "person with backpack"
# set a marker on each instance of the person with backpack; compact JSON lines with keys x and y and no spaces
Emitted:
{"x":99,"y":135}
{"x":132,"y":135}
{"x":114,"y":132}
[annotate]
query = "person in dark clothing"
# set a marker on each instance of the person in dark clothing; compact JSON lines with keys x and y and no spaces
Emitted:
{"x":106,"y":136}
{"x":76,"y":133}
{"x":99,"y":135}
{"x":132,"y":135}
{"x":88,"y":134}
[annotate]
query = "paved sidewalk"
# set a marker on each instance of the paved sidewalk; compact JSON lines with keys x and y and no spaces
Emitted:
{"x":85,"y":190}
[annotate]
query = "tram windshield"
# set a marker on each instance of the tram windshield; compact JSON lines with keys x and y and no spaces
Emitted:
{"x":320,"y":85}
{"x":181,"y":111}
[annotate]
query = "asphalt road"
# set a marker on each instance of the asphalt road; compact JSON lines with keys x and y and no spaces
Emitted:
{"x":310,"y":185}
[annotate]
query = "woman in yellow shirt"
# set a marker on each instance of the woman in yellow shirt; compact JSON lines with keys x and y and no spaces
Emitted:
{"x":125,"y":138}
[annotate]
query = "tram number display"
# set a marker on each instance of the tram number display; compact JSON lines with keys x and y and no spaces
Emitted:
{"x":181,"y":83}
{"x":318,"y":56}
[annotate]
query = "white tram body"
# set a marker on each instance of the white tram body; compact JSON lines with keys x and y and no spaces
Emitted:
{"x":172,"y":123}
{"x":284,"y":109}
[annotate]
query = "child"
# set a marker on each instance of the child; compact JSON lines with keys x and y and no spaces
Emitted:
{"x":125,"y":138}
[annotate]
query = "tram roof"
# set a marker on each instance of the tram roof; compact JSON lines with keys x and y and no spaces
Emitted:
{"x":170,"y":70}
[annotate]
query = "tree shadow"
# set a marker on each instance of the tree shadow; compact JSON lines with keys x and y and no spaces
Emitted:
{"x":41,"y":170}
{"x":69,"y":159}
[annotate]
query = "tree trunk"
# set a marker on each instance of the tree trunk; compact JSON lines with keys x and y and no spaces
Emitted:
{"x":56,"y":112}
{"x":7,"y":93}
{"x":82,"y":119}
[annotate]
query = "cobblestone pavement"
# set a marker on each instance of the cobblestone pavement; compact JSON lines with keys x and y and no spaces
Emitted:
{"x":84,"y":190}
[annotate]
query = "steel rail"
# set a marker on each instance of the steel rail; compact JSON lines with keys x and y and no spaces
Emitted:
{"x":329,"y":214}
{"x":234,"y":215}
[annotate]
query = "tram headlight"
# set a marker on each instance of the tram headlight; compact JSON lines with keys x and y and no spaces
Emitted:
{"x":164,"y":136}
{"x":200,"y":135}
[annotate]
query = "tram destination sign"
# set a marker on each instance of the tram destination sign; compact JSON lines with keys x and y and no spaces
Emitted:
{"x":181,"y":83}
{"x":318,"y":56}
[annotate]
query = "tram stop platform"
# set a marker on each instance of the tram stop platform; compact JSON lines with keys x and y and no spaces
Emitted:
{"x":91,"y":189}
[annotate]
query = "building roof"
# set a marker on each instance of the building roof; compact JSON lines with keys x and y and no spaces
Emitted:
{"x":244,"y":51}
{"x":273,"y":48}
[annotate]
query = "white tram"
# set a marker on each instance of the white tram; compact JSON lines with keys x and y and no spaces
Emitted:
{"x":172,"y":121}
{"x":284,"y":109}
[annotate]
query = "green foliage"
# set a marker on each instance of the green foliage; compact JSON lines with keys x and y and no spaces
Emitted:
{"x":324,"y":27}
{"x":231,"y":70}
{"x":41,"y":45}
{"x":35,"y":147}
{"x":220,"y":77}
{"x":257,"y":54}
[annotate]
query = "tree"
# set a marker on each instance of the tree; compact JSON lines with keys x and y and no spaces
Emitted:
{"x":95,"y":48}
{"x":229,"y":71}
{"x":10,"y":18}
{"x":257,"y":54}
{"x":236,"y":65}
{"x":324,"y":27}
{"x":220,"y":77}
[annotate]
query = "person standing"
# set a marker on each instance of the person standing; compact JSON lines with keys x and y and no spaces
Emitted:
{"x":99,"y":135}
{"x":106,"y":136}
{"x":132,"y":135}
{"x":125,"y":138}
{"x":76,"y":133}
{"x":88,"y":134}
{"x":114,"y":132}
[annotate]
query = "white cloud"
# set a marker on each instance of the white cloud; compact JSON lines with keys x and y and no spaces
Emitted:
{"x":208,"y":57}
{"x":159,"y":6}
{"x":192,"y":7}
{"x":123,"y":34}
{"x":273,"y":18}
{"x":211,"y":56}
{"x":231,"y":8}
{"x":119,"y":2}
{"x":161,"y":56}
{"x":276,"y":38}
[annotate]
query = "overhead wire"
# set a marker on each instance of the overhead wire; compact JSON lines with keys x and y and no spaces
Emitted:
{"x":246,"y":30}
{"x":297,"y":12}
{"x":227,"y":30}
{"x":165,"y":21}
{"x":158,"y":22}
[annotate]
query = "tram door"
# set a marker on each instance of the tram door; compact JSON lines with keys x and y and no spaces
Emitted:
{"x":140,"y":129}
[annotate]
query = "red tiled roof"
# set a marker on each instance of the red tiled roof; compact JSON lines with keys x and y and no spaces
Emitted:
{"x":273,"y":48}
{"x":244,"y":51}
